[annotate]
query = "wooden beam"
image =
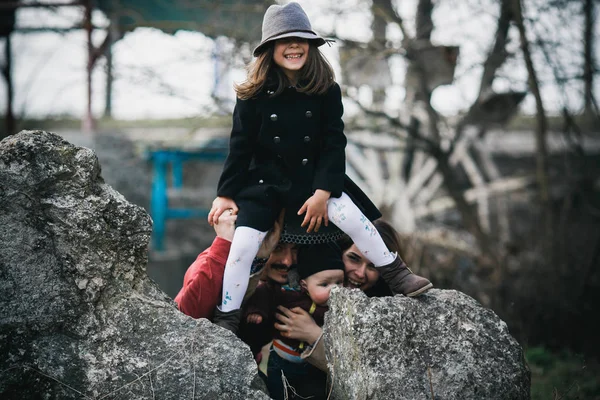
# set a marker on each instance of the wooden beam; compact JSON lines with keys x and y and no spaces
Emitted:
{"x":442,"y":237}
{"x":16,"y":4}
{"x":498,"y":187}
{"x":52,"y":29}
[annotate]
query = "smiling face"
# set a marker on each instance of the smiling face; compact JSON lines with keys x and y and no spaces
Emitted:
{"x":290,"y":55}
{"x":280,"y":261}
{"x":360,"y":272}
{"x":318,"y":285}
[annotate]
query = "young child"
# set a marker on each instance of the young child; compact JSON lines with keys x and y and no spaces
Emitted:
{"x":287,"y":151}
{"x":320,"y":268}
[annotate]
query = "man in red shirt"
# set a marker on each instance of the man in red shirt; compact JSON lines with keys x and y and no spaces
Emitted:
{"x":203,"y":281}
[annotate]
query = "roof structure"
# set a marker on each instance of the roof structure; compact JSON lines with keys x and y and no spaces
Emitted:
{"x":240,"y":20}
{"x":7,"y":21}
{"x":237,"y":19}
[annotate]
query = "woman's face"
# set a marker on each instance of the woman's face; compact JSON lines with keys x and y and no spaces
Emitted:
{"x":360,"y":272}
{"x":291,"y":54}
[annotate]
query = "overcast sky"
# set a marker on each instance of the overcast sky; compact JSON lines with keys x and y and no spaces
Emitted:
{"x":171,"y":76}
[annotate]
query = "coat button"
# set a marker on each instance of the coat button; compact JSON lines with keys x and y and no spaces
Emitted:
{"x":304,"y":161}
{"x":273,"y":117}
{"x":308,"y":114}
{"x":306,"y":139}
{"x":276,"y":139}
{"x":261,"y":181}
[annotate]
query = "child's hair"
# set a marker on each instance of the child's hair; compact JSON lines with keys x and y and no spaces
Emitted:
{"x":319,"y":257}
{"x":316,"y":76}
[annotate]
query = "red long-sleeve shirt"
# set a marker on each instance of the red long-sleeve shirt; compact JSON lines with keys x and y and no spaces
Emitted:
{"x":203,"y":281}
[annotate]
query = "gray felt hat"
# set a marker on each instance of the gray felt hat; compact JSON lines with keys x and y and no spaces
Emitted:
{"x":289,"y":20}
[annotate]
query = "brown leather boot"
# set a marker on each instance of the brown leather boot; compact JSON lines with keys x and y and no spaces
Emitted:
{"x":401,"y":279}
{"x":228,"y":320}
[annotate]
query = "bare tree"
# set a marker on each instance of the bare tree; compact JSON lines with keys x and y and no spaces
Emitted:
{"x":541,"y":127}
{"x":428,"y":67}
{"x":7,"y":25}
{"x":589,"y":66}
{"x":9,"y":118}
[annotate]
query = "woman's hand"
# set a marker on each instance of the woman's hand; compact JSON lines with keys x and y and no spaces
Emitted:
{"x":272,"y":239}
{"x":316,"y":210}
{"x":297,"y":324}
{"x":219,"y":205}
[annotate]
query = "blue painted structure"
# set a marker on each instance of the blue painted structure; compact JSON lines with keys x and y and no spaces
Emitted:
{"x":213,"y":151}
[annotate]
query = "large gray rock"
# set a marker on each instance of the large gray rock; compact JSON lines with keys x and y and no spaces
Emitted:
{"x":442,"y":345}
{"x":79,"y":317}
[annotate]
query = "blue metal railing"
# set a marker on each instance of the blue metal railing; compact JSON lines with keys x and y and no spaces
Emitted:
{"x":213,"y":151}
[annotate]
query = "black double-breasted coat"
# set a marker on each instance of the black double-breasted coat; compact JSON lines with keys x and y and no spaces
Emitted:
{"x":282,"y":148}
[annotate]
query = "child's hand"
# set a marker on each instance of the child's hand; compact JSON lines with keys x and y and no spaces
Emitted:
{"x":316,"y":210}
{"x":254,"y":319}
{"x":219,"y":205}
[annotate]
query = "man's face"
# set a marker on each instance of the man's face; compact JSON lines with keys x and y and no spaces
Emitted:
{"x":279,"y":263}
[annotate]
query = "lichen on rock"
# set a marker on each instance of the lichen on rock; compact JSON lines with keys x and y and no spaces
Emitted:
{"x":441,"y":345}
{"x":79,"y":316}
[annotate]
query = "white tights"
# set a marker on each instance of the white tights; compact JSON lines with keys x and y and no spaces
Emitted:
{"x":246,"y":242}
{"x":348,"y":217}
{"x":244,"y":246}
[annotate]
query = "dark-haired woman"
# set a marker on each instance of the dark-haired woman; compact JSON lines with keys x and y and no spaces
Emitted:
{"x":359,"y":273}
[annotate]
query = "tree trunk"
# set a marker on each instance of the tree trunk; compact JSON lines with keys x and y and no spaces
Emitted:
{"x":541,"y":130}
{"x":112,"y":37}
{"x":424,"y":21}
{"x":498,"y":54}
{"x":9,"y":118}
{"x":588,"y":56}
{"x":468,"y":213}
{"x":88,"y":119}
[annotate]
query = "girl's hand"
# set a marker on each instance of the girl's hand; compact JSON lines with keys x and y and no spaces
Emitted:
{"x":297,"y":324}
{"x":316,"y":210}
{"x":272,"y":239}
{"x":254,"y":319}
{"x":219,"y":205}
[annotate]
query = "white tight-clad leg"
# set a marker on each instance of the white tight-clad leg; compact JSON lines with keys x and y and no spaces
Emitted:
{"x":348,"y":217}
{"x":244,"y":246}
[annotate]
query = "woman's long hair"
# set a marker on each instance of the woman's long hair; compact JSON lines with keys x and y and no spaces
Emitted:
{"x":390,"y":238}
{"x":386,"y":231}
{"x":315,"y":77}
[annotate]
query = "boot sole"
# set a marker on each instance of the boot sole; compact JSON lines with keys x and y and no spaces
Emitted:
{"x":420,"y":291}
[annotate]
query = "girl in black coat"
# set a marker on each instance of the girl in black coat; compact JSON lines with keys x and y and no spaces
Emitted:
{"x":287,"y":151}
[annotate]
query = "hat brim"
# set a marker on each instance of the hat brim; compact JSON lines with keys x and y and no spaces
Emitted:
{"x":293,"y":232}
{"x":318,"y":40}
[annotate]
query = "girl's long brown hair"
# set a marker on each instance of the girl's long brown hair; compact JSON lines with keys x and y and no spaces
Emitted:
{"x":315,"y":77}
